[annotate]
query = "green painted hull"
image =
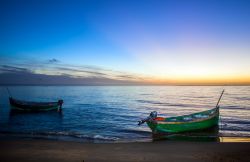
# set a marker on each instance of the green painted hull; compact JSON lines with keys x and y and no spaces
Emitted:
{"x":197,"y":121}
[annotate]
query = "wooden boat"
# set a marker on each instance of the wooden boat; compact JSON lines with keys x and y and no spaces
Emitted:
{"x":196,"y":121}
{"x":27,"y":106}
{"x":191,"y":122}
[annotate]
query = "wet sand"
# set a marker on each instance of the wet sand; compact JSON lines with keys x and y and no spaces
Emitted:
{"x":55,"y":151}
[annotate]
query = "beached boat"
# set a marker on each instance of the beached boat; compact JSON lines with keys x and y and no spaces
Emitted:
{"x":197,"y":121}
{"x":27,"y":106}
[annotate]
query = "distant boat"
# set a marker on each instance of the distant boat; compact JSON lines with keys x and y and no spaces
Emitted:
{"x":185,"y":123}
{"x":27,"y":106}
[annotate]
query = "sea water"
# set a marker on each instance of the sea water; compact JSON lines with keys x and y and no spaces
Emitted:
{"x":111,"y":113}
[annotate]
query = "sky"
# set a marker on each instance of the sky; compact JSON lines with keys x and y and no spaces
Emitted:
{"x":187,"y":42}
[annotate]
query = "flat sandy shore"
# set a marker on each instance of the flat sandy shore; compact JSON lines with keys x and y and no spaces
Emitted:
{"x":55,"y":151}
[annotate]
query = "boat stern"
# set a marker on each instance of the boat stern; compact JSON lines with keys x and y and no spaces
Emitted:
{"x":152,"y":125}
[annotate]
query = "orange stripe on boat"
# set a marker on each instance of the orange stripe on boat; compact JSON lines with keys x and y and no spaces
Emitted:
{"x":159,"y":118}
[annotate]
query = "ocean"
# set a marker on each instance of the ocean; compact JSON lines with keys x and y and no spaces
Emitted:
{"x":111,"y":113}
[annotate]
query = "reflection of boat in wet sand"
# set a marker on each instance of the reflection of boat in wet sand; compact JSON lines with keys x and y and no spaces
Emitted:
{"x":185,"y":123}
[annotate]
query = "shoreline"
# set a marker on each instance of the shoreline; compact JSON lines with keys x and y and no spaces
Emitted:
{"x":49,"y":150}
{"x":177,"y":138}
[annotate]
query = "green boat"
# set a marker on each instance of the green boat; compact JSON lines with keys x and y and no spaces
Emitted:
{"x":185,"y":123}
{"x":27,"y":106}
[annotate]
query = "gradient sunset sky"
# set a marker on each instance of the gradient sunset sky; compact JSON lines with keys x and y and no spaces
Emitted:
{"x":139,"y":41}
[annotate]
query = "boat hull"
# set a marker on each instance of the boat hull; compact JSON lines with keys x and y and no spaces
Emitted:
{"x":184,"y":126}
{"x":34,"y":109}
{"x":24,"y":106}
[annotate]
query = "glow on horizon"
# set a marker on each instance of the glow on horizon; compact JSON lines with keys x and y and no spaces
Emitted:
{"x":211,"y":63}
{"x":215,"y":66}
{"x":58,"y":68}
{"x":161,"y":42}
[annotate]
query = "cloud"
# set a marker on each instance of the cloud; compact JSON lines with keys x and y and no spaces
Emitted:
{"x":7,"y":68}
{"x":131,"y":77}
{"x":41,"y":73}
{"x":80,"y":70}
{"x":24,"y":78}
{"x":53,"y":60}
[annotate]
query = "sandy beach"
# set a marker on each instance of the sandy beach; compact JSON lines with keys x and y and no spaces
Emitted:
{"x":47,"y":150}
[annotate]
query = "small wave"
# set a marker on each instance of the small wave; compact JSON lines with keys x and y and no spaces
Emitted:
{"x":242,"y":98}
{"x":147,"y":101}
{"x":228,"y":121}
{"x":146,"y":94}
{"x":199,"y":97}
{"x":100,"y":137}
{"x":234,"y":107}
{"x":82,"y":104}
{"x":142,"y":132}
{"x":234,"y":133}
{"x":73,"y":135}
{"x":179,"y":105}
{"x":166,"y":104}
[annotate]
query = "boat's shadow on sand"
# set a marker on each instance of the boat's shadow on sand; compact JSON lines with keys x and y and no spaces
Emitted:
{"x":211,"y":134}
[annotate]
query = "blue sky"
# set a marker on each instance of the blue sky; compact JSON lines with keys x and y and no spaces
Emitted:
{"x":179,"y":40}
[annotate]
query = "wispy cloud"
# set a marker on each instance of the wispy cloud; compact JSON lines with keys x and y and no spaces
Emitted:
{"x":7,"y":68}
{"x":80,"y":71}
{"x":43,"y":72}
{"x":56,"y":72}
{"x":53,"y":60}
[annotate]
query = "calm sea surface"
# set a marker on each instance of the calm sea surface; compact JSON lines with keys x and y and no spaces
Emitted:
{"x":110,"y":113}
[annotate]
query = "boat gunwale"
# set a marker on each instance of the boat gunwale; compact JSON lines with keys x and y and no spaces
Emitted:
{"x":191,"y":121}
{"x":215,"y":113}
{"x":30,"y":103}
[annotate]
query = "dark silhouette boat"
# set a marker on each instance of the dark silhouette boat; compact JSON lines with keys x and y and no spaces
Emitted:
{"x":28,"y":106}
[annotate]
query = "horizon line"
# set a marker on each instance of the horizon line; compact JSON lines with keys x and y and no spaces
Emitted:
{"x":2,"y":85}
